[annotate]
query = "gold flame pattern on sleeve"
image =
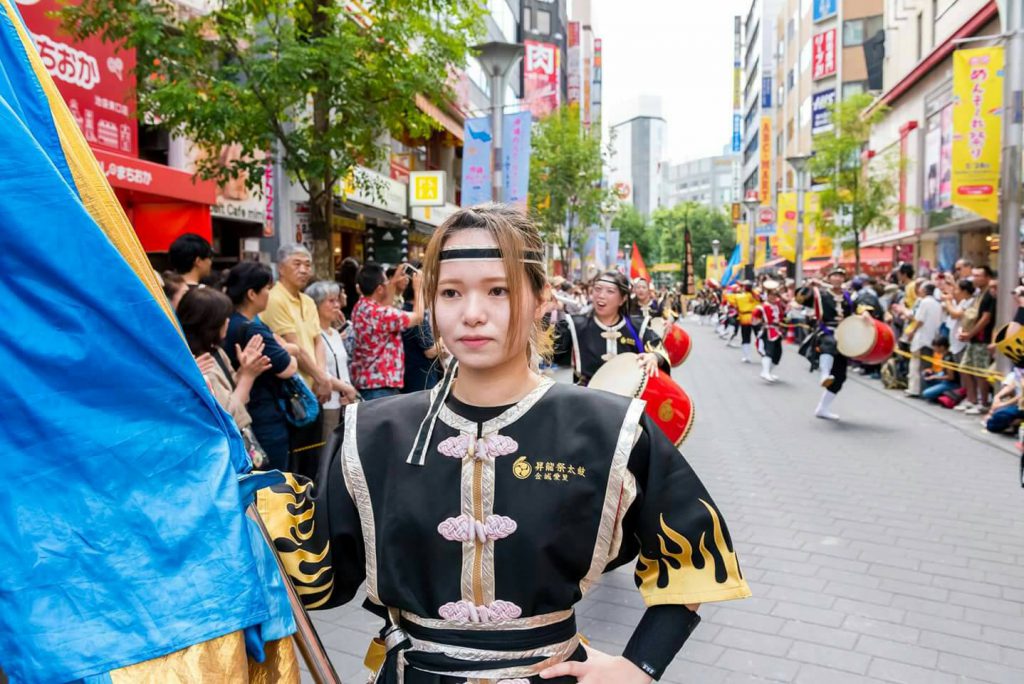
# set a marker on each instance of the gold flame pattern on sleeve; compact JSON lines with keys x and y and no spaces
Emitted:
{"x":287,"y":510}
{"x":684,"y":577}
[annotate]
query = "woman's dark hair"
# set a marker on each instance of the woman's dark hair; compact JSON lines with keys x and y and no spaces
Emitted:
{"x":966,"y":285}
{"x":173,"y":281}
{"x":202,"y":313}
{"x":941,"y":341}
{"x":347,"y":277}
{"x":621,"y":281}
{"x":245,"y":276}
{"x":371,"y":276}
{"x":184,"y":251}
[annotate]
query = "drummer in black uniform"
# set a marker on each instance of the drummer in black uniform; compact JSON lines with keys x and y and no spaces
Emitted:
{"x":831,"y":304}
{"x":587,"y":341}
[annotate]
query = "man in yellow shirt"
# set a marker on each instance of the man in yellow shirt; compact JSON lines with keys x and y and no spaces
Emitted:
{"x":746,"y":301}
{"x":905,"y":276}
{"x":292,"y":315}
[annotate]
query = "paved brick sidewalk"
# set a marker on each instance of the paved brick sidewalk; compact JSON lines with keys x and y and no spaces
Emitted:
{"x":887,"y":547}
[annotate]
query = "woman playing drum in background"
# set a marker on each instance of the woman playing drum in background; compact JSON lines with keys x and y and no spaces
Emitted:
{"x":831,"y":305}
{"x":587,"y":341}
{"x":443,"y":500}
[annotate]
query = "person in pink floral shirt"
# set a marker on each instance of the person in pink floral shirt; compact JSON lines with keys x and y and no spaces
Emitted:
{"x":378,"y":358}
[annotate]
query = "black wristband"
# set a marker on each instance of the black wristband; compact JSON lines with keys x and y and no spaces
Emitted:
{"x":662,"y":631}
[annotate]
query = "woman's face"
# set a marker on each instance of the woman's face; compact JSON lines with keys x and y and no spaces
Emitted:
{"x":473,"y":307}
{"x":260,"y":299}
{"x":330,"y":309}
{"x":607,"y":298}
{"x":642,"y":290}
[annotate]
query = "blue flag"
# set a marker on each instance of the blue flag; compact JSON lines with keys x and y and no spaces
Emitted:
{"x":123,"y":534}
{"x":733,"y":269}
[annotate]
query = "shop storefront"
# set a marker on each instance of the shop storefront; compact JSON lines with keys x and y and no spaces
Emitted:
{"x":97,"y":81}
{"x":425,"y":221}
{"x":382,"y":208}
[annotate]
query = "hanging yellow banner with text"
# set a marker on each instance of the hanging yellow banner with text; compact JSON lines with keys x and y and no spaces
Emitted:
{"x":977,"y":129}
{"x":765,"y":172}
{"x":817,"y":244}
{"x":743,"y":240}
{"x":785,"y":227}
{"x":714,"y":267}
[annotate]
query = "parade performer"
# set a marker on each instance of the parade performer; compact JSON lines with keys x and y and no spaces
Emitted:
{"x":831,"y":305}
{"x":729,"y":315}
{"x":768,"y":317}
{"x":444,"y":501}
{"x":643,"y":303}
{"x":587,"y":341}
{"x":125,"y":554}
{"x":745,"y":301}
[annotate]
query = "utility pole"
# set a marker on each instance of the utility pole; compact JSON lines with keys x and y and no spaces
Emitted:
{"x":1012,"y":12}
{"x":497,"y":59}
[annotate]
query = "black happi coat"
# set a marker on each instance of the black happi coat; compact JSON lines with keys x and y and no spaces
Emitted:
{"x":565,"y":485}
{"x":580,"y":342}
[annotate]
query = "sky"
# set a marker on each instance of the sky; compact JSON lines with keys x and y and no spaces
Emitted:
{"x":680,"y":50}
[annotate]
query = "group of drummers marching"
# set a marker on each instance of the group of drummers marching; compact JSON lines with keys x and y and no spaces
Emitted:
{"x":838,"y":328}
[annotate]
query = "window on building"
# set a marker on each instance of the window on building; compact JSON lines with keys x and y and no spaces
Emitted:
{"x":789,"y":129}
{"x":805,"y":57}
{"x":527,"y":19}
{"x":542,"y":22}
{"x":790,"y":80}
{"x":504,"y":18}
{"x":935,"y":19}
{"x":854,"y":88}
{"x":856,"y":31}
{"x":790,"y":28}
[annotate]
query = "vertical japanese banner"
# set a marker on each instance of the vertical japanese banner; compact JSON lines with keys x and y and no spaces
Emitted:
{"x":540,"y":77}
{"x":765,"y":174}
{"x":516,"y":157}
{"x":977,"y":129}
{"x":817,"y":243}
{"x":823,"y":54}
{"x":686,"y":281}
{"x":476,"y":162}
{"x":946,"y":159}
{"x":595,"y":88}
{"x":573,"y":64}
{"x":743,"y":242}
{"x":785,"y":227}
{"x":714,"y":267}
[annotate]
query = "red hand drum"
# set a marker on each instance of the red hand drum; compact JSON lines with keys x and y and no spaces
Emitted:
{"x":667,"y":403}
{"x":676,"y":340}
{"x":865,"y":339}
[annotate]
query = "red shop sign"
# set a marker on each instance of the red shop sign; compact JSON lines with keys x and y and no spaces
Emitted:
{"x":96,"y":79}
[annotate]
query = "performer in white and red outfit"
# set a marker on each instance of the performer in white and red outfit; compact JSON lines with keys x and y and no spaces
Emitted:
{"x":768,"y":317}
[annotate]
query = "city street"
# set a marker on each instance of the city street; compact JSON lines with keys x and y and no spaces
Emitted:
{"x":887,"y":547}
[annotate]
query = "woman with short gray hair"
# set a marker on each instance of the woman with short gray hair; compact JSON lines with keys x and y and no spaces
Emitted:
{"x":329,"y":299}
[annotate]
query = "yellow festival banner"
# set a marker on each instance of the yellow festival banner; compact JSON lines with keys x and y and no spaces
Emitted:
{"x":743,"y":240}
{"x":977,"y":129}
{"x":816,"y":243}
{"x":785,"y":226}
{"x":765,"y":172}
{"x":714,"y":267}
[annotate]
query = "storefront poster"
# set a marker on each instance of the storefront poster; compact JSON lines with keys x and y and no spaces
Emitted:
{"x":476,"y":162}
{"x":932,"y":152}
{"x":515,"y":150}
{"x":95,"y":78}
{"x":977,"y":129}
{"x":573,"y":65}
{"x":946,"y":159}
{"x":541,"y":77}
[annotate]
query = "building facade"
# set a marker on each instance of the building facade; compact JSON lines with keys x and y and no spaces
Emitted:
{"x":757,"y":58}
{"x":637,"y":157}
{"x":706,"y":181}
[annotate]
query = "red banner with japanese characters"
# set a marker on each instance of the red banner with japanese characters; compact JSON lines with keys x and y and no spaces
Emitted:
{"x":541,"y":69}
{"x":823,"y":54}
{"x":96,"y":79}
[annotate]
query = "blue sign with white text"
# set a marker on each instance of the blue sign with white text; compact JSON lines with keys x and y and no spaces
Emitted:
{"x":737,"y":141}
{"x":766,"y":92}
{"x":824,"y":9}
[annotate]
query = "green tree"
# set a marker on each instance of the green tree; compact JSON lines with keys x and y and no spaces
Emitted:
{"x":854,"y":196}
{"x":566,"y":167}
{"x":705,"y":224}
{"x":316,"y":82}
{"x":633,"y":227}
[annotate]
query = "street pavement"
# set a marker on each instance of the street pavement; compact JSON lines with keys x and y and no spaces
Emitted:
{"x":888,"y":547}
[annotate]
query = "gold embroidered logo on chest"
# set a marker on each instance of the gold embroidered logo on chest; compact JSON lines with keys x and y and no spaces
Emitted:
{"x":552,"y":471}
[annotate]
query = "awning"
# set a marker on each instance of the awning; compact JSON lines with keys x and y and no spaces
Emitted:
{"x":162,"y":203}
{"x":816,"y":265}
{"x":372,"y":213}
{"x":870,"y":255}
{"x":435,"y":113}
{"x":893,"y":238}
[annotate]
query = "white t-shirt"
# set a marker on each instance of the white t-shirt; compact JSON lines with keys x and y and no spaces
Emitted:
{"x":337,"y":363}
{"x":955,"y":344}
{"x":929,"y":315}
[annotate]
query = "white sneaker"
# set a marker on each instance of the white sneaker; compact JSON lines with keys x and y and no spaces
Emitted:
{"x":775,"y":378}
{"x":963,"y":406}
{"x":826,"y":415}
{"x":745,"y":360}
{"x":973,"y":411}
{"x":767,"y":377}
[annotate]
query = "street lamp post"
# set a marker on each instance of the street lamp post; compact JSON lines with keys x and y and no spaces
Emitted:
{"x":497,"y":59}
{"x":751,"y":204}
{"x":799,"y":164}
{"x":716,"y":244}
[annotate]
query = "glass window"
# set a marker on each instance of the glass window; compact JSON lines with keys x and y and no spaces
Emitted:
{"x":543,"y":22}
{"x":505,"y":19}
{"x":527,"y":19}
{"x":854,"y":88}
{"x":853,"y":33}
{"x":791,"y":28}
{"x":790,"y":80}
{"x":872,"y":25}
{"x":805,"y":57}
